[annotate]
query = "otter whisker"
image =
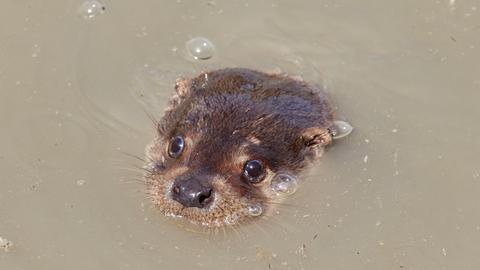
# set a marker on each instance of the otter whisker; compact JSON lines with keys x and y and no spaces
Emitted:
{"x":134,"y":181}
{"x":271,"y":221}
{"x":283,"y":205}
{"x":134,"y":156}
{"x":152,"y":118}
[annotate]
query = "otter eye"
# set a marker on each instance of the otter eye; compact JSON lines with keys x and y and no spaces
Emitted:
{"x":176,"y":146}
{"x":254,"y":171}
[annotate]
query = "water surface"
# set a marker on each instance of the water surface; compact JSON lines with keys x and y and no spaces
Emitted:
{"x":401,"y":192}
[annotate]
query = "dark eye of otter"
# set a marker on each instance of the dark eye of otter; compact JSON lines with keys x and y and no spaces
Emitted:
{"x":254,"y":171}
{"x":176,"y":146}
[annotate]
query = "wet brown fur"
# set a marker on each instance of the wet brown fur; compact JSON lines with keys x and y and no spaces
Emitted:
{"x":227,"y":117}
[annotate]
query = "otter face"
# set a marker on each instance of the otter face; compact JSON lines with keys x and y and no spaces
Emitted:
{"x":227,"y":138}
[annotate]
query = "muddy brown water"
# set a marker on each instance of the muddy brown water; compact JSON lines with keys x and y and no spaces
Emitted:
{"x":401,"y":192}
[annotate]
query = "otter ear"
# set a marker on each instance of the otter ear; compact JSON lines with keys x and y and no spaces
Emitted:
{"x":183,"y":87}
{"x":314,"y":136}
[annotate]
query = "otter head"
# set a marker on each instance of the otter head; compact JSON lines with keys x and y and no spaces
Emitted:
{"x":225,"y":139}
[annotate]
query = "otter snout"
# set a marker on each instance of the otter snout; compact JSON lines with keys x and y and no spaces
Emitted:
{"x":192,"y":192}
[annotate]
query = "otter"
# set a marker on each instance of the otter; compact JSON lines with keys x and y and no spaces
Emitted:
{"x":231,"y":140}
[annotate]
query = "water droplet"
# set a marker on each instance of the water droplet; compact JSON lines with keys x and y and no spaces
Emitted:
{"x":284,"y":184}
{"x":91,"y":8}
{"x":200,"y":48}
{"x":255,"y":210}
{"x":341,"y":129}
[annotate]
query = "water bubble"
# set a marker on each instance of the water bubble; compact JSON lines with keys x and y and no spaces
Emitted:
{"x":200,"y":48}
{"x":232,"y":219}
{"x":5,"y":244}
{"x":255,"y":210}
{"x":91,"y":8}
{"x":36,"y":50}
{"x":341,"y":129}
{"x":81,"y":182}
{"x":284,"y":184}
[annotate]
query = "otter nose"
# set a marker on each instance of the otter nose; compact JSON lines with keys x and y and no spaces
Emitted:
{"x":191,"y":193}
